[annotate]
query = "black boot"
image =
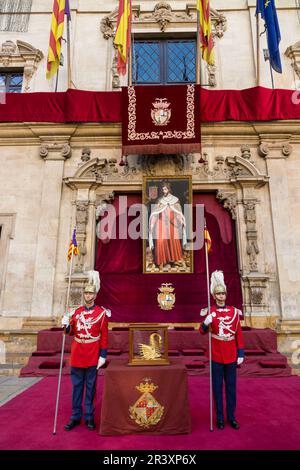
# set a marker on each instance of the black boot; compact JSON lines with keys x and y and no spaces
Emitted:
{"x":234,"y":424}
{"x":90,"y":424}
{"x":71,"y":424}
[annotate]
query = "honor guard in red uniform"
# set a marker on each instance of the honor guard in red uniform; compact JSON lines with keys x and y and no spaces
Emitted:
{"x":227,"y":348}
{"x":89,"y":326}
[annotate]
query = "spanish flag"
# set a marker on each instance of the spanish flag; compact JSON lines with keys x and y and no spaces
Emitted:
{"x":56,"y":32}
{"x":206,"y":37}
{"x":207,"y":240}
{"x":73,"y":248}
{"x":123,"y":33}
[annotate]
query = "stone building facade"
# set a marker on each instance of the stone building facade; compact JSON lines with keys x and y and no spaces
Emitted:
{"x":54,"y":174}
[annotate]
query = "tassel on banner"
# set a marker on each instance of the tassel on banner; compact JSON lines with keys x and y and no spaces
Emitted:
{"x":123,"y":161}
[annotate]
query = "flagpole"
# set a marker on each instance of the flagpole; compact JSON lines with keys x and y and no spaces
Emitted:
{"x":211,"y":428}
{"x":198,"y":48}
{"x":69,"y":53}
{"x":56,"y":82}
{"x":130,"y":63}
{"x":257,"y":51}
{"x":63,"y":346}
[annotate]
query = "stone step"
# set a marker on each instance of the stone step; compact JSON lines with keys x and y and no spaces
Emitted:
{"x":12,"y":368}
{"x":17,"y":357}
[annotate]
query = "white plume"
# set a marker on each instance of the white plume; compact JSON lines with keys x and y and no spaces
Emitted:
{"x":94,"y":278}
{"x":216,"y":279}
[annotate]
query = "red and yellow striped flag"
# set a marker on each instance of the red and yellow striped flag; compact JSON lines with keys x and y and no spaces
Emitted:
{"x":123,"y":33}
{"x":207,"y":240}
{"x":56,"y":32}
{"x":206,"y":37}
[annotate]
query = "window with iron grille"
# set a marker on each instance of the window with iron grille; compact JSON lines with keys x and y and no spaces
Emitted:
{"x":11,"y":81}
{"x":164,"y":61}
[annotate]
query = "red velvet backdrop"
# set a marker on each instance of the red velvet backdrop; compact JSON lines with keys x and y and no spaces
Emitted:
{"x":132,"y":295}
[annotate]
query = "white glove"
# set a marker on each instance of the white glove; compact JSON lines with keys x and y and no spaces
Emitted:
{"x":101,"y":362}
{"x":240,"y":360}
{"x":208,"y":319}
{"x":65,"y":320}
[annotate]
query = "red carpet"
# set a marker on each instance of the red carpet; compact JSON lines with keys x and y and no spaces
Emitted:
{"x":268,"y":411}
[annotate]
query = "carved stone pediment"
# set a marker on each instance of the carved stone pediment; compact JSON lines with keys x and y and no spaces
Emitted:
{"x":163,"y":15}
{"x":293,"y":53}
{"x":21,"y":55}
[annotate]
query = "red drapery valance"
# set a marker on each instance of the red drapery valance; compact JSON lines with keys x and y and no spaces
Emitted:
{"x":252,"y":104}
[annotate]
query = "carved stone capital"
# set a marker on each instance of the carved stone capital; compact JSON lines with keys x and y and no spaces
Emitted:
{"x":274,"y":148}
{"x":55,"y":151}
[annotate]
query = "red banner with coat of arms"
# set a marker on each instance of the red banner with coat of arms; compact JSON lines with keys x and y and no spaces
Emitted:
{"x":161,"y":119}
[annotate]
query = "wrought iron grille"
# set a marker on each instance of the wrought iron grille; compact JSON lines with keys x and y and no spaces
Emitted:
{"x":11,"y":82}
{"x":164,"y":61}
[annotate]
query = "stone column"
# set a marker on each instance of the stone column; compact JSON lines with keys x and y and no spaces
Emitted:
{"x":54,"y":155}
{"x":276,"y":151}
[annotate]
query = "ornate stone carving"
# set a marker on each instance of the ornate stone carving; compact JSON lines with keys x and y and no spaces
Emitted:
{"x":251,"y":232}
{"x":107,"y":25}
{"x":152,"y":165}
{"x":293,"y":53}
{"x":115,"y":74}
{"x":255,"y":285}
{"x":81,"y":215}
{"x":85,"y":154}
{"x":21,"y":55}
{"x":163,"y":14}
{"x":246,"y":153}
{"x":55,"y":151}
{"x":76,"y":297}
{"x":256,"y":295}
{"x":211,"y":75}
{"x":8,"y":47}
{"x":229,"y":201}
{"x":81,"y":218}
{"x":275,"y":148}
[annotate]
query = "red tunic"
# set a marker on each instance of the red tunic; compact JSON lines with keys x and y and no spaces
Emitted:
{"x":87,"y":325}
{"x":225,"y":324}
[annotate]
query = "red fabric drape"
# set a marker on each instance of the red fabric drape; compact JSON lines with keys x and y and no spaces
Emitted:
{"x":252,"y":104}
{"x":132,"y":295}
{"x":161,"y":119}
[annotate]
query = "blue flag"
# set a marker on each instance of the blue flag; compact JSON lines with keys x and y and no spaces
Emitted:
{"x":67,"y":10}
{"x":268,"y":12}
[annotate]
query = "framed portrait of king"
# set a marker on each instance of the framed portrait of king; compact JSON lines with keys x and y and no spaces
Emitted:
{"x":167,"y":225}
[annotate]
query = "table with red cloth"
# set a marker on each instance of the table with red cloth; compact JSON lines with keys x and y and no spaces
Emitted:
{"x":121,"y":393}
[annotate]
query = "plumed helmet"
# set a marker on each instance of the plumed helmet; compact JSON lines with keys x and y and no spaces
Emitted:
{"x":93,"y":285}
{"x":217,"y":283}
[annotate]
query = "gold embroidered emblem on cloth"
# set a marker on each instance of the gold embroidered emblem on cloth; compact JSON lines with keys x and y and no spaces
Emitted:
{"x":146,"y":411}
